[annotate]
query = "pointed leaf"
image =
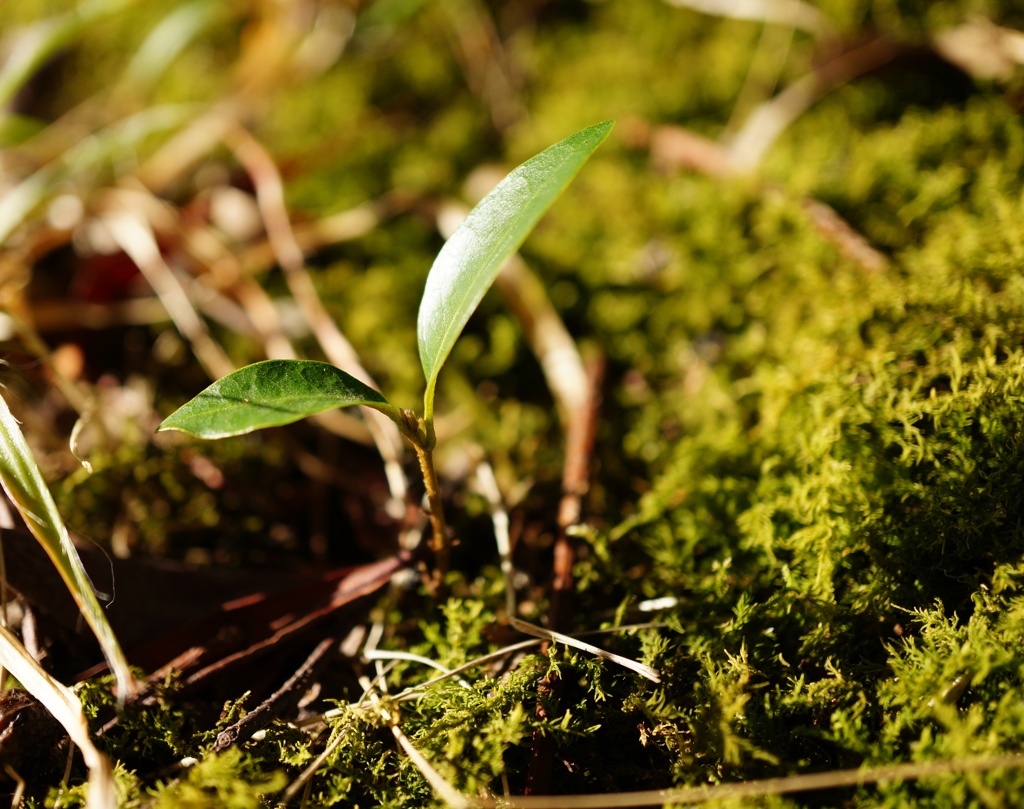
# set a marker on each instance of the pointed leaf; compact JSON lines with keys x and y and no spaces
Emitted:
{"x":470,"y":260}
{"x":269,"y":394}
{"x":24,"y":484}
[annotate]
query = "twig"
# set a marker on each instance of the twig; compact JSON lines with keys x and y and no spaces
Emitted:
{"x":135,"y":236}
{"x":851,"y":244}
{"x":761,"y":788}
{"x":783,"y":12}
{"x":270,"y":199}
{"x":499,"y":518}
{"x":445,"y":791}
{"x":674,"y":147}
{"x":772,"y":118}
{"x":581,"y":427}
{"x":549,"y":635}
{"x":281,"y":700}
{"x":485,"y":62}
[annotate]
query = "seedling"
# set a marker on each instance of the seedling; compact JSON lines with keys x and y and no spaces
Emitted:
{"x":277,"y":392}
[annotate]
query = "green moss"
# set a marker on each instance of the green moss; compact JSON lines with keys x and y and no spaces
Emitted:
{"x":821,"y":462}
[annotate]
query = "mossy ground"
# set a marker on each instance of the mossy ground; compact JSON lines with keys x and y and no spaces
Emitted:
{"x":822,"y":462}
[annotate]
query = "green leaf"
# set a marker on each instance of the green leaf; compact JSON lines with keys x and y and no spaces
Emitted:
{"x":269,"y":394}
{"x":24,"y":484}
{"x":470,"y":260}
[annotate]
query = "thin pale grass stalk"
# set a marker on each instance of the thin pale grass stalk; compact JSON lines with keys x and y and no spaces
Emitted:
{"x":768,"y":121}
{"x":66,"y":708}
{"x":311,"y":770}
{"x":189,"y":146}
{"x":762,"y":79}
{"x":166,"y":41}
{"x":550,"y":635}
{"x":499,"y":518}
{"x":385,"y":654}
{"x":24,"y":484}
{"x":692,"y":795}
{"x":304,"y":778}
{"x":36,"y":346}
{"x":134,"y":235}
{"x":414,"y":692}
{"x":270,"y":199}
{"x":69,"y":761}
{"x":226,"y":272}
{"x":117,"y":139}
{"x":485,"y":62}
{"x":331,"y":230}
{"x":782,"y":12}
{"x":19,"y":788}
{"x":265,"y":318}
{"x":761,"y":788}
{"x":50,"y":316}
{"x":34,"y":44}
{"x":442,"y":788}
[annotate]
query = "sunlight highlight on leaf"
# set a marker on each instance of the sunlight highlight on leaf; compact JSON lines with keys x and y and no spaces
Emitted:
{"x":470,"y":260}
{"x":271,"y":394}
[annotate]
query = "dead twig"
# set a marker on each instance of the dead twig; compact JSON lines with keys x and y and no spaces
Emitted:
{"x":134,"y":234}
{"x":284,"y":699}
{"x":781,"y":12}
{"x":581,"y":428}
{"x":485,"y":62}
{"x":579,"y":447}
{"x":270,"y":198}
{"x":674,"y":147}
{"x":764,"y":125}
{"x":761,"y":788}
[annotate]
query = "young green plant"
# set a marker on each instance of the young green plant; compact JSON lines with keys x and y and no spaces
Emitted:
{"x":277,"y":392}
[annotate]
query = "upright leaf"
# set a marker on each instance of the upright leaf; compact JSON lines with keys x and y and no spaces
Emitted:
{"x":470,"y":260}
{"x":269,"y":394}
{"x":24,"y":484}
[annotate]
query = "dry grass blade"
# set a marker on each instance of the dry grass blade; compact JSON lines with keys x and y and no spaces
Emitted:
{"x":558,"y":637}
{"x":40,"y":41}
{"x":24,"y":484}
{"x":60,"y":701}
{"x":134,"y":235}
{"x":771,"y":119}
{"x":761,"y":788}
{"x":270,"y":198}
{"x":782,"y":12}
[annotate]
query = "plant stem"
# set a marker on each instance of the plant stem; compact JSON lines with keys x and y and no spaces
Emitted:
{"x":420,"y":432}
{"x":439,"y":542}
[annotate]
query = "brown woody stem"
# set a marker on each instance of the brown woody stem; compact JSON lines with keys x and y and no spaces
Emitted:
{"x":439,"y":543}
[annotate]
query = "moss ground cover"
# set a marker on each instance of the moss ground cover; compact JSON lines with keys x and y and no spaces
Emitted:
{"x":818,"y":457}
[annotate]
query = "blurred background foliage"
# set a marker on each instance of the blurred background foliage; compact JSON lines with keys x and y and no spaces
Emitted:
{"x":799,"y":253}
